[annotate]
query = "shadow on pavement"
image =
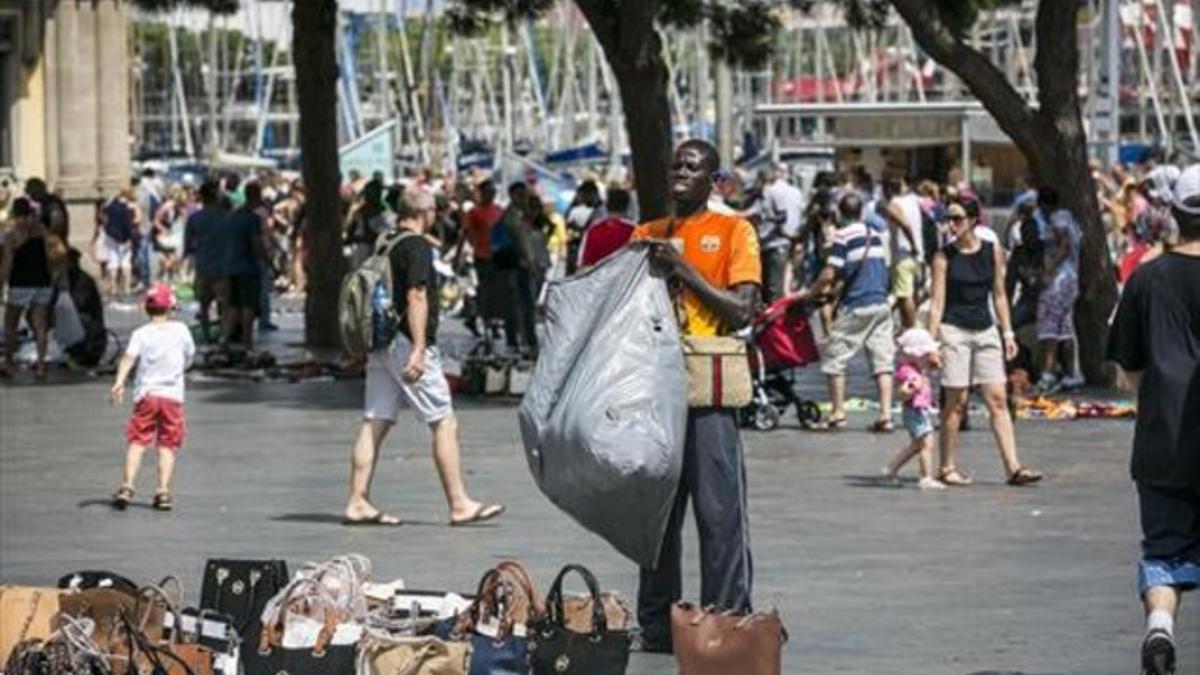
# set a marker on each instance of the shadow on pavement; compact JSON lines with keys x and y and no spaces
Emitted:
{"x":106,"y":502}
{"x":336,"y":519}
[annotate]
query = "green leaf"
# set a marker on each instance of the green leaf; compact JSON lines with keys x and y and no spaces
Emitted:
{"x":214,"y":6}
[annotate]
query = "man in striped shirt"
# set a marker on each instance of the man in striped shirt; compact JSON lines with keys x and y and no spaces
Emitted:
{"x":858,"y":260}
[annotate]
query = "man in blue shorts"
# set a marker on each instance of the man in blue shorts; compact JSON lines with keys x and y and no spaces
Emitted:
{"x":1155,"y":339}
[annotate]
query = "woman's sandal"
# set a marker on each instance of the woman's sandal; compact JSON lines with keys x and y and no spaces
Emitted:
{"x":121,"y":498}
{"x":882,"y":427}
{"x":955,"y":478}
{"x":831,"y":424}
{"x":1024,"y":476}
{"x":162,"y":501}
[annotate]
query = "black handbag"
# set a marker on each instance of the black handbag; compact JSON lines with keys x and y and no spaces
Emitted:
{"x":88,"y":579}
{"x":240,"y":589}
{"x":322,"y":658}
{"x":555,"y":649}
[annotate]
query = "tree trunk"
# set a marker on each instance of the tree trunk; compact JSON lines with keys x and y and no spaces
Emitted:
{"x":1051,"y":138}
{"x":648,"y":121}
{"x":633,"y":49}
{"x":314,"y":23}
{"x":1064,"y":167}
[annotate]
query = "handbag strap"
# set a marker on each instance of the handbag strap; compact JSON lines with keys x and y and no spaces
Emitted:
{"x":555,"y":599}
{"x":272,"y":631}
{"x":525,"y":582}
{"x":491,"y":599}
{"x":143,"y":607}
{"x":34,"y":601}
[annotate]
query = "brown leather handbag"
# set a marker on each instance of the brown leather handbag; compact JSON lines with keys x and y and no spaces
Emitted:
{"x":711,"y":643}
{"x":109,"y":609}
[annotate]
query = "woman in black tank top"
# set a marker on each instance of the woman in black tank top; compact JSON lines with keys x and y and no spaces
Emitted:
{"x":968,"y":291}
{"x":25,"y":272}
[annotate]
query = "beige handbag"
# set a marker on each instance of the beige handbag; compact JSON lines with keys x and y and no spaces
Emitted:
{"x":718,"y":372}
{"x":414,"y":656}
{"x":26,"y":612}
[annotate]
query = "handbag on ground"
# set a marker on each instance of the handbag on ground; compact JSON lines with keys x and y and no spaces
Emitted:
{"x":555,"y":648}
{"x":716,"y":643}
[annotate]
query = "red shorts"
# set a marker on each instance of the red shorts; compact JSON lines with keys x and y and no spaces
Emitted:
{"x":159,"y":418}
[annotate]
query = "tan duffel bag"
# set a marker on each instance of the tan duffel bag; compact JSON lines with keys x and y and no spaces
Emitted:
{"x":26,"y":613}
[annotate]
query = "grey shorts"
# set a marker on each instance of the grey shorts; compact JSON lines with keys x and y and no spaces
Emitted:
{"x":862,"y":327}
{"x":386,"y":392}
{"x":971,"y":357}
{"x":40,"y":296}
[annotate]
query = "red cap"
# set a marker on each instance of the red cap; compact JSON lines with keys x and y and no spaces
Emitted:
{"x":160,"y":296}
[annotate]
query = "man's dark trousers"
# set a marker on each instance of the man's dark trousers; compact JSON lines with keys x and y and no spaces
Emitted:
{"x":714,"y":477}
{"x":775,"y":260}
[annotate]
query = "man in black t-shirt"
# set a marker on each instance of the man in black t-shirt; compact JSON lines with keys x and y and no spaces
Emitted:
{"x":410,"y":370}
{"x":1155,"y":338}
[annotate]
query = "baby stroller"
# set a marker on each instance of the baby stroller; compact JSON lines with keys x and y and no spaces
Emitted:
{"x":782,"y":342}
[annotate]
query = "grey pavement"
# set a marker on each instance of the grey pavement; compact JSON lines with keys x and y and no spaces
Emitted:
{"x":988,"y":579}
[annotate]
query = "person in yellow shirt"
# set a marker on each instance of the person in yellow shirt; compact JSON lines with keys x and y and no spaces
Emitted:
{"x":715,"y":260}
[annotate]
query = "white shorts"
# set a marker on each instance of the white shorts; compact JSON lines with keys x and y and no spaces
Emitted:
{"x":119,"y":255}
{"x":429,"y":397}
{"x":30,"y":296}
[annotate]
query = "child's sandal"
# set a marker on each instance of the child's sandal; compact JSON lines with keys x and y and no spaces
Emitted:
{"x":162,"y":501}
{"x":122,"y":497}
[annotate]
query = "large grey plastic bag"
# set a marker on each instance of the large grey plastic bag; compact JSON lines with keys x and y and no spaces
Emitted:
{"x":604,"y":418}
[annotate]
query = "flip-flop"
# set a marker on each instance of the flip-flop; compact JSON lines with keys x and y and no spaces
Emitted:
{"x":1024,"y":476}
{"x":484,"y":513}
{"x":380,"y":519}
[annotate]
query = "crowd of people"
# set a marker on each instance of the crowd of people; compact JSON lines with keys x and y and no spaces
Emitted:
{"x":920,"y":280}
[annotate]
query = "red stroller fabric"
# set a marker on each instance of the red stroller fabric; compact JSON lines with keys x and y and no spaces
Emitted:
{"x":785,"y":336}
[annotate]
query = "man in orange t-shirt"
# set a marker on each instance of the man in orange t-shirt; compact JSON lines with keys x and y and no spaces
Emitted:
{"x":478,"y":231}
{"x":716,"y":260}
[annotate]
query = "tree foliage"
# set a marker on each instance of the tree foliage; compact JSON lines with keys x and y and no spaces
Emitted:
{"x":215,"y":6}
{"x":741,"y":33}
{"x":957,"y":15}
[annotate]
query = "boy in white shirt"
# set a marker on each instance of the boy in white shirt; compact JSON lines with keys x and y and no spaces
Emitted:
{"x":162,"y":350}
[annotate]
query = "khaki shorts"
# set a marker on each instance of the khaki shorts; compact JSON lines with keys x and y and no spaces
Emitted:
{"x":904,"y":278}
{"x":971,"y":357}
{"x":859,"y":328}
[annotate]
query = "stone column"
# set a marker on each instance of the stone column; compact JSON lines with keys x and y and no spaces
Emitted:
{"x":112,"y":75}
{"x":77,"y":99}
{"x":50,"y":56}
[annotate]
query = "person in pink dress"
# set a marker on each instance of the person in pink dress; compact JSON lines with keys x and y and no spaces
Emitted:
{"x":918,"y":354}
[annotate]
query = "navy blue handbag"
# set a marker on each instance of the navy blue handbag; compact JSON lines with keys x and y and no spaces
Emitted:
{"x":495,"y":623}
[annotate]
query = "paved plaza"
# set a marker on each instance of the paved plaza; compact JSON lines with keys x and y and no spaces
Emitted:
{"x":869,"y":579}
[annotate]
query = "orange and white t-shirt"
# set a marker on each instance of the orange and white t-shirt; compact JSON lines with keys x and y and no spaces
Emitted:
{"x":723,"y":249}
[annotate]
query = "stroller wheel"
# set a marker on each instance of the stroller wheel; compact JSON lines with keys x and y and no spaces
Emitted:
{"x":809,"y":413}
{"x":765,"y":418}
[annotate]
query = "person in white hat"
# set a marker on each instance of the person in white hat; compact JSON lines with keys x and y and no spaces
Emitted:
{"x":918,"y":354}
{"x":1155,"y":338}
